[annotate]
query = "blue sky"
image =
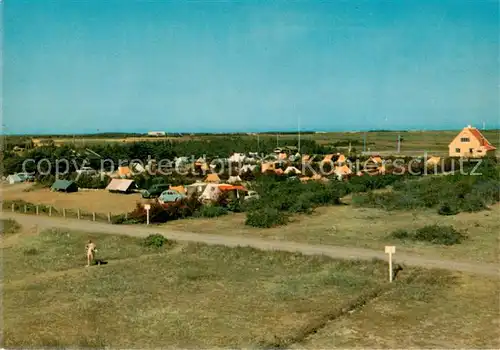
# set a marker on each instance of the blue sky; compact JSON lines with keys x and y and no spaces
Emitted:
{"x":80,"y":66}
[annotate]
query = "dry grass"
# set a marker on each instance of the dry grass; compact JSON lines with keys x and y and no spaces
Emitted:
{"x":99,"y":201}
{"x":368,"y":228}
{"x":421,"y":315}
{"x":197,"y":296}
{"x":188,"y":296}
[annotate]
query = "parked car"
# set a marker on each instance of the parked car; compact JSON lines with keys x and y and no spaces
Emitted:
{"x":252,"y":195}
{"x":86,"y":170}
{"x":155,"y":190}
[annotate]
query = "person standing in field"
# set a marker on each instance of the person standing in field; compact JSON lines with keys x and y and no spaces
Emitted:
{"x":90,"y":247}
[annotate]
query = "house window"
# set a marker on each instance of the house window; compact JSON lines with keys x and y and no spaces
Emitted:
{"x":479,"y":151}
{"x":457,"y":150}
{"x":465,"y":139}
{"x":471,"y":150}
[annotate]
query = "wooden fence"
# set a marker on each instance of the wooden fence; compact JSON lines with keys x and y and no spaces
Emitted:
{"x":48,"y":210}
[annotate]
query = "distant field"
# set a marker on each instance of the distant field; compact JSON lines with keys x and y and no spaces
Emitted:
{"x":414,"y":142}
{"x":197,"y":296}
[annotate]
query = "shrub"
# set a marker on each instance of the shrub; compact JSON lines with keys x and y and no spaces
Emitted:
{"x":236,"y":206}
{"x":10,"y":226}
{"x":401,"y":234}
{"x":267,"y":217}
{"x":155,"y":240}
{"x":448,"y":209}
{"x":211,"y":211}
{"x":435,"y":234}
{"x":461,"y":192}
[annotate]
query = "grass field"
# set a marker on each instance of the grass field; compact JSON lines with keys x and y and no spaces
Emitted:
{"x":192,"y":295}
{"x":368,"y":228}
{"x":414,"y":142}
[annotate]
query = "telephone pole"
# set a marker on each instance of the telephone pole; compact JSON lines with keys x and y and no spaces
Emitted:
{"x":298,"y":126}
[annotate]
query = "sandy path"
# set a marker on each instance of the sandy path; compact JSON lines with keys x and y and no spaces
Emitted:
{"x":308,"y":249}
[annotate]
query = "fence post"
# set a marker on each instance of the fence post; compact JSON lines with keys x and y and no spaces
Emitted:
{"x":93,"y":216}
{"x":78,"y":213}
{"x":50,"y":211}
{"x":37,"y":210}
{"x":13,"y":207}
{"x":25,"y":209}
{"x":109,"y":217}
{"x":64,"y":213}
{"x":126,"y":216}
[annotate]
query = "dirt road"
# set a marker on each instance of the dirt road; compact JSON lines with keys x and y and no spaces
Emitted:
{"x":335,"y":252}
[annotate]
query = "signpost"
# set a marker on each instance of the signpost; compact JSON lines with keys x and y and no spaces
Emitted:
{"x":390,"y":249}
{"x":147,"y":207}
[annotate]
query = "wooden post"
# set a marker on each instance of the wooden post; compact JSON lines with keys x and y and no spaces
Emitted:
{"x":25,"y":209}
{"x":64,"y":212}
{"x":390,"y":250}
{"x":78,"y":214}
{"x":50,"y":211}
{"x":13,"y":207}
{"x":109,"y":217}
{"x":93,"y":216}
{"x":37,"y":210}
{"x":126,"y":216}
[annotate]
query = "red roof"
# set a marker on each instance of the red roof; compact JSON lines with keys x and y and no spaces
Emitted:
{"x":482,"y":140}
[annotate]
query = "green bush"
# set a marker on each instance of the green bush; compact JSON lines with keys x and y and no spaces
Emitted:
{"x":155,"y":240}
{"x":211,"y":211}
{"x":450,"y":194}
{"x":267,"y":217}
{"x":448,"y":209}
{"x":401,"y":234}
{"x":435,"y":234}
{"x":10,"y":226}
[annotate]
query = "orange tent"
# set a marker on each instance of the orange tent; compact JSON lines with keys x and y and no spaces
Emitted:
{"x":212,"y":178}
{"x":225,"y":187}
{"x":282,"y":156}
{"x":181,"y":189}
{"x":267,"y":166}
{"x":341,"y":159}
{"x":124,"y":171}
{"x":328,"y":158}
{"x":279,"y":171}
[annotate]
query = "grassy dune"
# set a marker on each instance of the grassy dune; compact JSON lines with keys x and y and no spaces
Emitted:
{"x":198,"y":296}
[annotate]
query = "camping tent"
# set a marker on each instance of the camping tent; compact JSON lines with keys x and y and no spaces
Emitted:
{"x":342,"y":171}
{"x":211,"y":193}
{"x":12,"y":179}
{"x":181,"y":189}
{"x":212,"y":178}
{"x":292,"y":169}
{"x":124,"y":171}
{"x":64,"y":186}
{"x":196,"y":188}
{"x":234,"y":179}
{"x":170,"y":196}
{"x":247,"y":168}
{"x":120,"y":185}
{"x":267,"y":167}
{"x":237,"y":158}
